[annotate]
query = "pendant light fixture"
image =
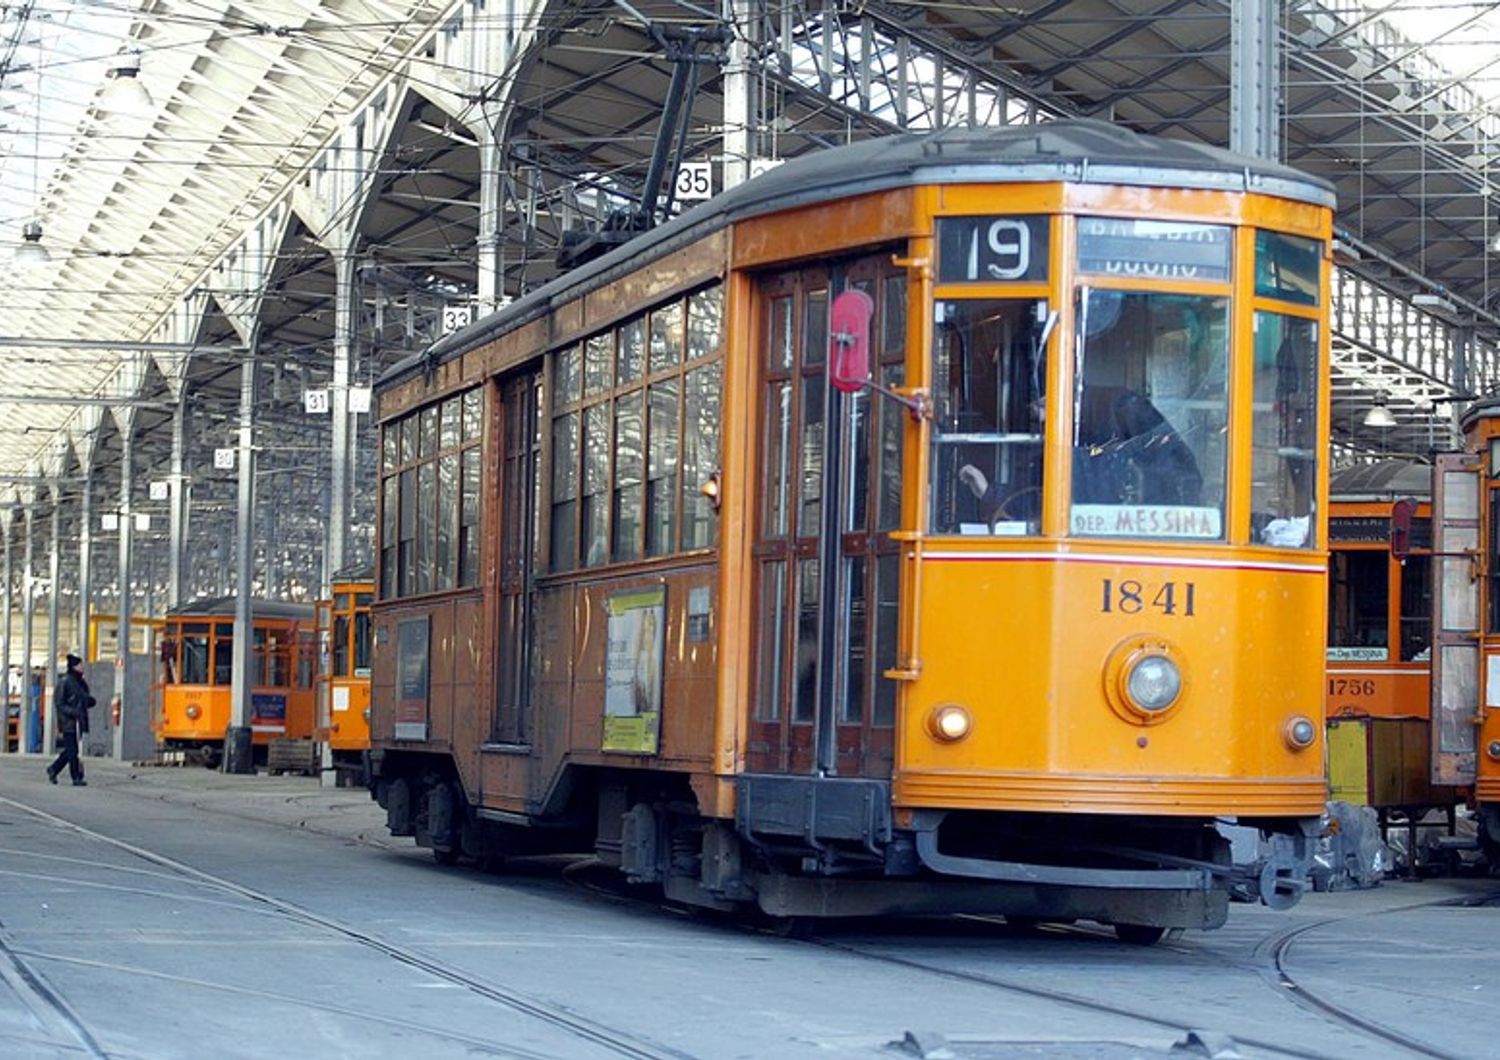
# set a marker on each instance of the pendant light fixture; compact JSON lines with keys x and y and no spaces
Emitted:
{"x":123,"y":94}
{"x":1379,"y":415}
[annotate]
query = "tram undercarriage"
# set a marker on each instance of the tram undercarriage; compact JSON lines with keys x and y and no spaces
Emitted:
{"x":1140,"y":874}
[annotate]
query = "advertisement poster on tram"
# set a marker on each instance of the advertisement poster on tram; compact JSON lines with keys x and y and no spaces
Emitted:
{"x":634,"y":658}
{"x":411,"y":679}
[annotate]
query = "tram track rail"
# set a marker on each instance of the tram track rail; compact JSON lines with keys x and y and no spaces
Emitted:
{"x":1278,"y":949}
{"x":613,"y":1040}
{"x":33,"y":987}
{"x":1271,"y":957}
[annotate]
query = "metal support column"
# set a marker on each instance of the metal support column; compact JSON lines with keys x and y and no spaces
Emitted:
{"x":738,"y":86}
{"x":491,"y":280}
{"x":85,"y":564}
{"x":10,"y":616}
{"x":123,"y":596}
{"x":239,"y":752}
{"x":28,"y":604}
{"x":177,"y":490}
{"x":1254,"y":73}
{"x":339,"y":497}
{"x":54,"y":648}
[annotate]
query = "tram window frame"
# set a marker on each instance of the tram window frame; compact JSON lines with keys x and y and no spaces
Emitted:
{"x":959,"y":484}
{"x":430,"y":498}
{"x":1284,"y":515}
{"x":607,"y":492}
{"x":201,"y":633}
{"x":1414,"y":608}
{"x":1289,"y":288}
{"x":1129,"y":437}
{"x":1359,"y":599}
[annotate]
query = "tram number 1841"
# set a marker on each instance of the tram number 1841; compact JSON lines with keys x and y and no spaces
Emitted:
{"x":1131,"y":597}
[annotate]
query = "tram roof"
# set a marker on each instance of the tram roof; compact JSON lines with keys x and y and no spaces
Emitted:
{"x":223,"y":606}
{"x":1489,"y":405}
{"x":1083,"y":151}
{"x":355,"y":572}
{"x":1381,"y":480}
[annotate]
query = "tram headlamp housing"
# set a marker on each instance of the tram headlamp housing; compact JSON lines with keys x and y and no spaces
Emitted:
{"x":1153,"y":683}
{"x":949,"y":722}
{"x":1493,"y":749}
{"x":193,"y":711}
{"x":1300,"y":732}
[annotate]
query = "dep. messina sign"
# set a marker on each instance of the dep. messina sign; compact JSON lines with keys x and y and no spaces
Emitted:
{"x":1146,"y":520}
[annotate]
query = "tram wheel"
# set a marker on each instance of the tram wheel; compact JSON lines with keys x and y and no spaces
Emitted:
{"x":1139,"y":934}
{"x":445,"y":857}
{"x":791,"y":927}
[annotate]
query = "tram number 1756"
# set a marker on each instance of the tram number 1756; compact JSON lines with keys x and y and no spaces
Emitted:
{"x":1131,"y":597}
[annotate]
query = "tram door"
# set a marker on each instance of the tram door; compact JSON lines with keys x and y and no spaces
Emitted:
{"x":829,"y":494}
{"x":1455,"y":618}
{"x":519,"y":506}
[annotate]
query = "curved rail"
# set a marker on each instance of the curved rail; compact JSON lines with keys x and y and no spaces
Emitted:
{"x":616,"y":1041}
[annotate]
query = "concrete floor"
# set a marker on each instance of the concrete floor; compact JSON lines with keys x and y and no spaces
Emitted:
{"x":182,"y":913}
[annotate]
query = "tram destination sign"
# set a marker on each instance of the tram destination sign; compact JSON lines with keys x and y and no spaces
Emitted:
{"x":992,"y":249}
{"x":1375,"y":530}
{"x":1160,"y":250}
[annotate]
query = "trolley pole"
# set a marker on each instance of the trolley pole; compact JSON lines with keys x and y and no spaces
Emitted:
{"x":239,"y":750}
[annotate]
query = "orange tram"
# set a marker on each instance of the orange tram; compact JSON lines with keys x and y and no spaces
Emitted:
{"x":192,"y":707}
{"x":1466,"y":621}
{"x":344,"y":670}
{"x":934,"y":523}
{"x":1380,"y":644}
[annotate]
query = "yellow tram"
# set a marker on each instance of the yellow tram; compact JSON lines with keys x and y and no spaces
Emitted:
{"x":344,"y":669}
{"x":191,"y":694}
{"x":934,"y":523}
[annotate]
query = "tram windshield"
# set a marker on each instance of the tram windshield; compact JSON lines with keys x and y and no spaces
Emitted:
{"x":1150,"y":421}
{"x":989,"y":387}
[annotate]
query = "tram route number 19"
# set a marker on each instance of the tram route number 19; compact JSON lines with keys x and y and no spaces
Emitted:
{"x":1131,"y":597}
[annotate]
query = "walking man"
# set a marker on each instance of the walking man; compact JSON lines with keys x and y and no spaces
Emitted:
{"x":72,"y":700}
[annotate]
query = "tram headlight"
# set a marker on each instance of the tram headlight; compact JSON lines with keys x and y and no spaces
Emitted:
{"x":1153,"y":683}
{"x":949,"y":722}
{"x":1493,"y":749}
{"x":1300,"y":733}
{"x":193,"y":712}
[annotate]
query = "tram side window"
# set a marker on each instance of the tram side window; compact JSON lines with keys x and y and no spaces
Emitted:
{"x":341,"y":646}
{"x":195,"y":653}
{"x":635,"y":435}
{"x":430,"y":497}
{"x":223,"y":654}
{"x":362,"y":637}
{"x":989,"y":389}
{"x":1283,"y":454}
{"x":1359,"y":591}
{"x":1416,"y":609}
{"x":1150,"y":449}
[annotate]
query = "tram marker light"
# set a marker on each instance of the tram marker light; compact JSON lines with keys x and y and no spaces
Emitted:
{"x":1300,"y":733}
{"x":949,"y":722}
{"x":849,"y":341}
